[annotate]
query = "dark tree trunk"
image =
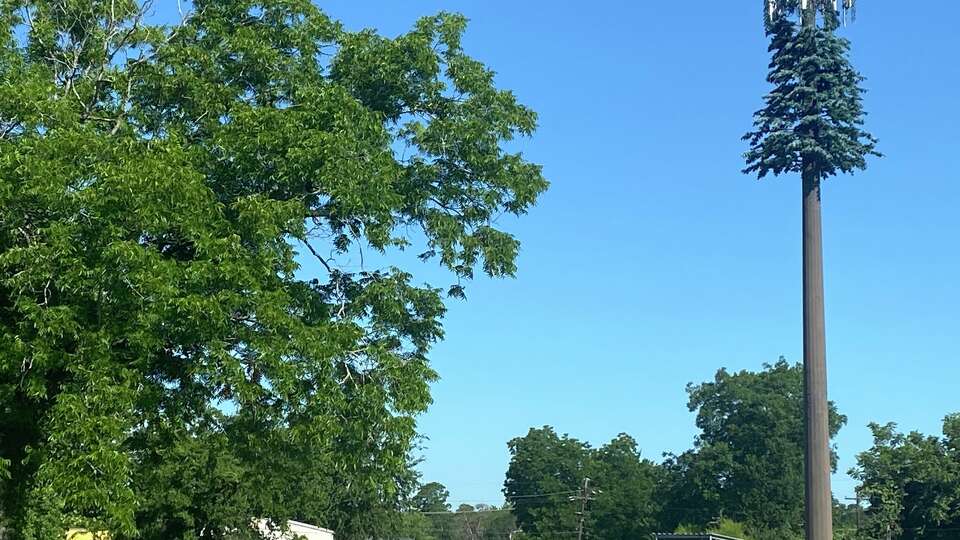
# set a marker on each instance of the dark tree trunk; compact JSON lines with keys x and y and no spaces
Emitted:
{"x":819,"y":498}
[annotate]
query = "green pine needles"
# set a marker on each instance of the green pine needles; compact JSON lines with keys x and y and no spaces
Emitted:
{"x":813,"y":118}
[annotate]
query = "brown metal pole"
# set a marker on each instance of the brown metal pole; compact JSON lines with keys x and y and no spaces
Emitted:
{"x":818,"y":493}
{"x":819,"y":499}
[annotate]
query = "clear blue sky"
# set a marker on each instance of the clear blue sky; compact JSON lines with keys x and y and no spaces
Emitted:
{"x":652,"y":261}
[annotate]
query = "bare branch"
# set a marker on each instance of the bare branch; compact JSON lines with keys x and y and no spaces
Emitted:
{"x":123,"y":105}
{"x":317,"y":255}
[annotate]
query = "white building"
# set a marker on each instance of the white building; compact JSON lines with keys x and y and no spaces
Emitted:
{"x":297,"y":530}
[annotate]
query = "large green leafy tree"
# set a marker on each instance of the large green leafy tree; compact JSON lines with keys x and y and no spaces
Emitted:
{"x":747,"y":462}
{"x":431,"y":497}
{"x":545,"y":479}
{"x":166,"y":368}
{"x":545,"y":471}
{"x":811,"y":124}
{"x":912,"y":483}
{"x":624,"y":507}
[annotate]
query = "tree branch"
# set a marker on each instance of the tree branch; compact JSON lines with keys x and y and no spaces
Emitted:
{"x":317,"y":255}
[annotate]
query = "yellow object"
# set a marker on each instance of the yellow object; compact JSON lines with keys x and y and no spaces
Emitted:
{"x":83,"y":534}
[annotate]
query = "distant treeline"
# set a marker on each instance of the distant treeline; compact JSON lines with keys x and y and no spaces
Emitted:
{"x":743,"y":477}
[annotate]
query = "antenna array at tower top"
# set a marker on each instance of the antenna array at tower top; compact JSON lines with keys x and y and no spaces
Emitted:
{"x":778,"y":8}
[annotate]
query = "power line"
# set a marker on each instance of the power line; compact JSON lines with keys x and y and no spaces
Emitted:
{"x":454,"y":512}
{"x":510,"y":498}
{"x":536,"y":495}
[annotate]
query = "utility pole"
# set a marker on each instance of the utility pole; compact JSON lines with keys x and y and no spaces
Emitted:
{"x":859,"y":511}
{"x":584,"y":497}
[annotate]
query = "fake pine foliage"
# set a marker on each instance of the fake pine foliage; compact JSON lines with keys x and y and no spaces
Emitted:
{"x":166,"y":368}
{"x":814,"y":115}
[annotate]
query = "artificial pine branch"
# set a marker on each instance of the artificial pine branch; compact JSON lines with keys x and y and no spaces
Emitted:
{"x":810,"y":68}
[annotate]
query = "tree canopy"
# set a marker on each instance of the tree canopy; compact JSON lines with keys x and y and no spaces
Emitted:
{"x":545,"y":470}
{"x":544,"y":485}
{"x":747,"y":461}
{"x":431,"y":497}
{"x":167,"y":367}
{"x":746,"y":465}
{"x":912,"y":482}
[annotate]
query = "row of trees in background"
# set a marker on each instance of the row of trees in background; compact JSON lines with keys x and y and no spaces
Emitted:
{"x":743,"y":476}
{"x":435,"y":518}
{"x":746,"y":464}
